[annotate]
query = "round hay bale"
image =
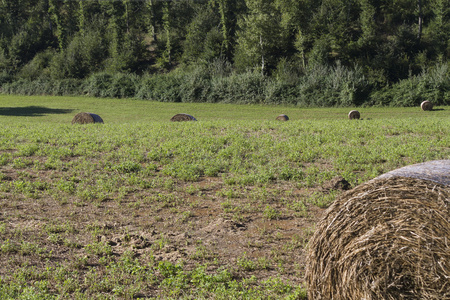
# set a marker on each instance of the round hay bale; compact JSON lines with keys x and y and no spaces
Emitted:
{"x":86,"y":118}
{"x":182,"y":118}
{"x":282,"y":117}
{"x":426,"y":105}
{"x":354,"y":114}
{"x":386,"y":239}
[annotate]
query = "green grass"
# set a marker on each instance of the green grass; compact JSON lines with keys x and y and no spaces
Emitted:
{"x":49,"y":109}
{"x":141,"y":207}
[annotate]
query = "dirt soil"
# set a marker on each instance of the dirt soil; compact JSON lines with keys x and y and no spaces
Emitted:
{"x":191,"y":223}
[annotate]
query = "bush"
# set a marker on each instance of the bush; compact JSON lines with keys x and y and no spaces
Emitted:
{"x":160,"y":87}
{"x":38,"y":66}
{"x":279,"y":92}
{"x":5,"y":77}
{"x":195,"y":86}
{"x":98,"y":84}
{"x":432,"y":85}
{"x":123,"y":86}
{"x":43,"y":86}
{"x":333,"y":86}
{"x":245,"y":88}
{"x":320,"y":86}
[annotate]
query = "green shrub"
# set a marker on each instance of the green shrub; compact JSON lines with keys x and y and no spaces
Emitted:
{"x":432,"y":85}
{"x":38,"y":66}
{"x":195,"y":86}
{"x":245,"y":88}
{"x":43,"y":86}
{"x":160,"y":87}
{"x":333,"y":86}
{"x":279,"y":92}
{"x":122,"y":86}
{"x":98,"y":84}
{"x":5,"y":77}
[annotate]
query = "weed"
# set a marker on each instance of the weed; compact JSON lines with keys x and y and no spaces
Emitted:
{"x":271,"y":213}
{"x":98,"y":249}
{"x":246,"y":264}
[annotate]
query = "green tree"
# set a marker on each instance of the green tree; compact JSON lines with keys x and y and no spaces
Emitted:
{"x":60,"y":30}
{"x":198,"y":45}
{"x":259,"y":41}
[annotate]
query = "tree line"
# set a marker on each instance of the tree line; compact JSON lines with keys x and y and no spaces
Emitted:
{"x":367,"y":51}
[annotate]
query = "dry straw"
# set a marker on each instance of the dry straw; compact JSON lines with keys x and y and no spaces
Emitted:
{"x":386,"y":239}
{"x":182,"y":118}
{"x":86,"y":118}
{"x":354,"y":114}
{"x":282,"y":117}
{"x":426,"y":105}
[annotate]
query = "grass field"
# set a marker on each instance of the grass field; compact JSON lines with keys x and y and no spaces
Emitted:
{"x":141,"y":207}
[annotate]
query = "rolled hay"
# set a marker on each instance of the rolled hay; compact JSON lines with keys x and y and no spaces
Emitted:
{"x":182,"y":118}
{"x":426,"y":105}
{"x":86,"y":118}
{"x":388,"y":238}
{"x":282,"y":117}
{"x":354,"y":114}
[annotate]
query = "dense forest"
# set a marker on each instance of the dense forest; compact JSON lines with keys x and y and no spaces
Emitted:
{"x":300,"y":52}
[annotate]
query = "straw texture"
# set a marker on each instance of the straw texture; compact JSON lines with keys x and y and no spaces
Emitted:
{"x":354,"y":114}
{"x":86,"y":118}
{"x":386,"y":239}
{"x":182,"y":118}
{"x":426,"y":105}
{"x":282,"y":117}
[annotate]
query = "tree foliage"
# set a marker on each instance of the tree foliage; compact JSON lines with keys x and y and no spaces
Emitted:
{"x":388,"y":40}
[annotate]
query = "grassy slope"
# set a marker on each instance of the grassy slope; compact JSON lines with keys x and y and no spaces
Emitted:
{"x":143,"y":207}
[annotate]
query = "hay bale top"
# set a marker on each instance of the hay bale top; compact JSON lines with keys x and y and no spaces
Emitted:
{"x":426,"y":105}
{"x":354,"y":114}
{"x":86,"y":118}
{"x":182,"y":118}
{"x":437,"y":171}
{"x":282,"y":117}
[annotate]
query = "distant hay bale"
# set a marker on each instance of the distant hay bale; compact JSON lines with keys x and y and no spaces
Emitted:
{"x":426,"y":105}
{"x":282,"y":117}
{"x":86,"y":118}
{"x":182,"y":118}
{"x":354,"y":114}
{"x":386,"y":239}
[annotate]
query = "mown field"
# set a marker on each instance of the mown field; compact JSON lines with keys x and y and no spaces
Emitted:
{"x":222,"y":208}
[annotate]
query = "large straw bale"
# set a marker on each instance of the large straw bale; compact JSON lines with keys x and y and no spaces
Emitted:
{"x":386,"y":239}
{"x":182,"y":118}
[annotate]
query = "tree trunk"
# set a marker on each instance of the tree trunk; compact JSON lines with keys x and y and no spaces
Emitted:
{"x":262,"y":54}
{"x":420,"y":23}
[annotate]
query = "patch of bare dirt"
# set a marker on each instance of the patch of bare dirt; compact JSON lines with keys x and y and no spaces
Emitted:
{"x":202,"y":227}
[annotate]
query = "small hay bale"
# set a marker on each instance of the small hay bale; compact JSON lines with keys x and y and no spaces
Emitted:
{"x":426,"y":105}
{"x":182,"y":118}
{"x":282,"y":117}
{"x":386,"y":239}
{"x":86,"y":118}
{"x":354,"y":114}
